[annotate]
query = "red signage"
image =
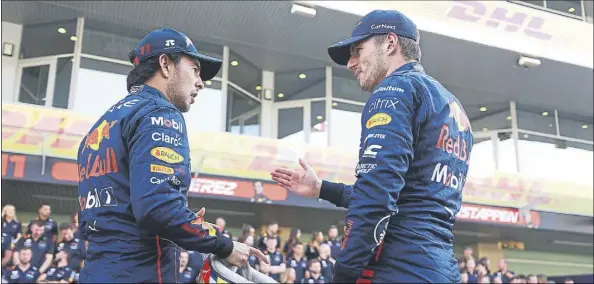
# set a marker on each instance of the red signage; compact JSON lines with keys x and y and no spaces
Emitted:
{"x":499,"y":215}
{"x":255,"y":191}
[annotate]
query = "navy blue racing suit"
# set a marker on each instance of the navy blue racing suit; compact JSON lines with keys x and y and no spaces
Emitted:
{"x":134,"y":173}
{"x":413,"y":159}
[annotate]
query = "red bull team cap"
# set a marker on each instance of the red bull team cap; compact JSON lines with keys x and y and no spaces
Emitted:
{"x":169,"y":40}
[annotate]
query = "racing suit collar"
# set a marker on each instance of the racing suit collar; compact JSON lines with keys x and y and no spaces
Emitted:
{"x":147,"y":91}
{"x":411,"y":66}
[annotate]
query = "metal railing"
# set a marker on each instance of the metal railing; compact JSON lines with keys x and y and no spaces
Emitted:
{"x":540,"y":156}
{"x":583,"y":17}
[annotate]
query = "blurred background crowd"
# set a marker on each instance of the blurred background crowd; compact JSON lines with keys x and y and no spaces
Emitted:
{"x":53,"y":250}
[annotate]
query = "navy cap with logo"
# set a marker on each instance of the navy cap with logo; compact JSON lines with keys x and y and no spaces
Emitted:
{"x":375,"y":23}
{"x":169,"y":40}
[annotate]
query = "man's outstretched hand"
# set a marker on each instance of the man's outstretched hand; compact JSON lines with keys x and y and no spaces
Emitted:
{"x":241,"y":253}
{"x":303,"y":181}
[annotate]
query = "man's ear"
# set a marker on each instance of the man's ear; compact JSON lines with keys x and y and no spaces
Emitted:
{"x":392,"y":42}
{"x":165,"y":64}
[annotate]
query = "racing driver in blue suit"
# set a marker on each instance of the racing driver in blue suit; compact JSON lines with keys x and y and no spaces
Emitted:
{"x":413,"y":158}
{"x":134,"y":172}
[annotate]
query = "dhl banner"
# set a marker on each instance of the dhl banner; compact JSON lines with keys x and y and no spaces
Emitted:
{"x":34,"y":132}
{"x":526,"y":30}
{"x":64,"y":171}
{"x":42,"y":131}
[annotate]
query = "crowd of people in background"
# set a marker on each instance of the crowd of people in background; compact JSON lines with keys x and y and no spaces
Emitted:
{"x":45,"y":253}
{"x":297,"y":261}
{"x":48,"y":252}
{"x":473,"y":271}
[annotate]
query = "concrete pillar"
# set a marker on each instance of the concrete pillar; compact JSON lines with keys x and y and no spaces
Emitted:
{"x":225,"y":88}
{"x":328,"y":105}
{"x":515,"y":135}
{"x":11,"y":34}
{"x":268,"y":117}
{"x":72,"y":94}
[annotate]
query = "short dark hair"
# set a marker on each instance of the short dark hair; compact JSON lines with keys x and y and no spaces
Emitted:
{"x":411,"y":50}
{"x":65,"y":226}
{"x":312,"y":261}
{"x":37,"y":223}
{"x":272,"y":223}
{"x":26,"y":248}
{"x":332,"y":227}
{"x":147,"y":68}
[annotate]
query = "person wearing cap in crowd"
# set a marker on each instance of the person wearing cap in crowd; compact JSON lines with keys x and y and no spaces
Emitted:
{"x":135,"y":171}
{"x":414,"y":148}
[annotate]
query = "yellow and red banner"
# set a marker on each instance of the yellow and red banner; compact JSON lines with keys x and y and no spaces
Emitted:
{"x":33,"y":131}
{"x":42,"y":131}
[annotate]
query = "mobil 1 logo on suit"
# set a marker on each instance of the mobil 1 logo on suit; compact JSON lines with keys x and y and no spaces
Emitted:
{"x":98,"y":198}
{"x":170,"y":123}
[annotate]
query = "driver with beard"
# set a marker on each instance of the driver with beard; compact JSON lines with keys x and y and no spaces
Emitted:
{"x":415,"y":145}
{"x":134,"y":172}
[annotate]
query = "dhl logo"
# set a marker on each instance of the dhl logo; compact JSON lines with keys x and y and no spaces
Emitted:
{"x":96,"y":136}
{"x":459,"y":116}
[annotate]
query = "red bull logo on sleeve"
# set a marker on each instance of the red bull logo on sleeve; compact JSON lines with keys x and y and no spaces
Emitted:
{"x":96,"y":136}
{"x":456,"y":145}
